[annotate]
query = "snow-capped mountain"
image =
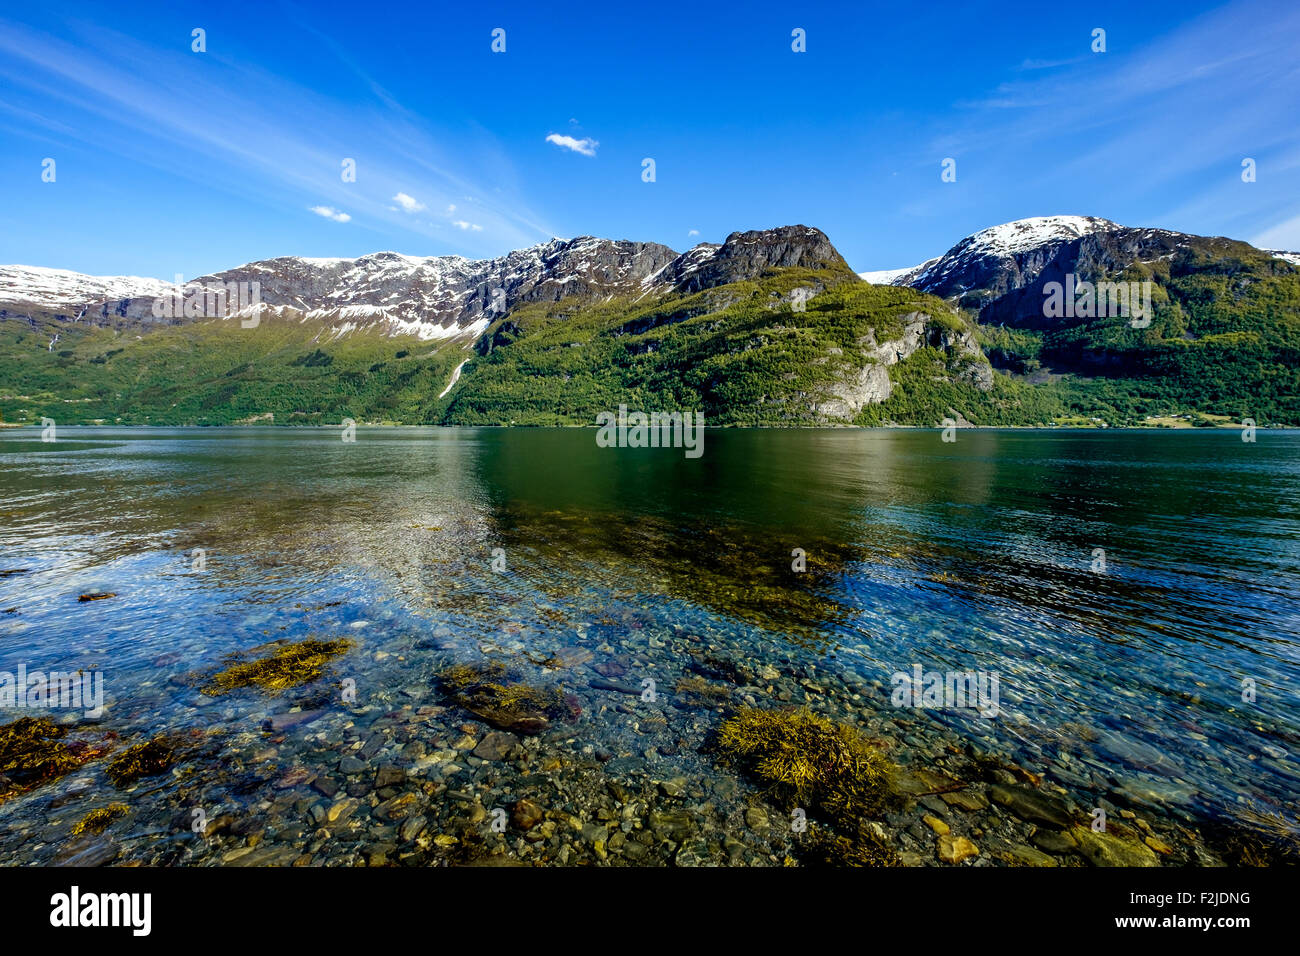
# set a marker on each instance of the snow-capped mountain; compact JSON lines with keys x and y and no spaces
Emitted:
{"x":1001,"y":270}
{"x":1008,"y":255}
{"x":61,"y":288}
{"x":433,"y":297}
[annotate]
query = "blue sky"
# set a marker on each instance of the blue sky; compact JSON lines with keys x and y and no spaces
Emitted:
{"x":168,"y":160}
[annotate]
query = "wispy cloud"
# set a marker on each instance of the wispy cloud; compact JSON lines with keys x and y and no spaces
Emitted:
{"x":1122,"y":129}
{"x":587,"y":147}
{"x":467,"y":226}
{"x":329,"y":212}
{"x":1285,"y":235}
{"x":1032,"y":64}
{"x":174,"y":111}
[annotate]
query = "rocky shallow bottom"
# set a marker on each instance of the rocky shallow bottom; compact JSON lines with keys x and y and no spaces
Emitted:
{"x":407,"y":773}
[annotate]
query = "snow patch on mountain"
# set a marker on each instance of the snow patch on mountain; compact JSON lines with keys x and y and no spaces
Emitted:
{"x":897,"y":276}
{"x":1026,"y":234}
{"x":58,"y":288}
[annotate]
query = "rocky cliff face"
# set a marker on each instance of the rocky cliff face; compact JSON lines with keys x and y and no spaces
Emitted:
{"x":871,"y":384}
{"x":746,"y":255}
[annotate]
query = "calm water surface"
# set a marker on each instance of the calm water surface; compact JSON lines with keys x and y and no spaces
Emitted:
{"x":977,"y":555}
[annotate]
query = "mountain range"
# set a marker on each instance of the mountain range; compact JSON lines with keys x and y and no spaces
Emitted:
{"x":771,"y":327}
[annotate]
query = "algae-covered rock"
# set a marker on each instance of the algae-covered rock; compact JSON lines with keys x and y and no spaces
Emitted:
{"x":142,"y":760}
{"x":287,"y":666}
{"x":491,"y":693}
{"x":810,"y":761}
{"x":34,"y":750}
{"x":695,"y":693}
{"x":96,"y":821}
{"x":827,"y":848}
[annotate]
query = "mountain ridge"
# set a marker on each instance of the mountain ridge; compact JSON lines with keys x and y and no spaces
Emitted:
{"x":430,"y":291}
{"x":769,"y":327}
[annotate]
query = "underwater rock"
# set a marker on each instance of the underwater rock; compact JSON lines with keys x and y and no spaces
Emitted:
{"x":618,"y":687}
{"x":934,"y":823}
{"x":489,"y":693}
{"x":695,"y":693}
{"x":495,"y":746}
{"x":398,"y":808}
{"x":525,"y":814}
{"x":954,"y":849}
{"x":1033,"y":806}
{"x":1055,"y":842}
{"x":1105,"y":849}
{"x":87,"y":850}
{"x":143,"y":760}
{"x":756,"y":818}
{"x":280,"y":722}
{"x":1027,"y":856}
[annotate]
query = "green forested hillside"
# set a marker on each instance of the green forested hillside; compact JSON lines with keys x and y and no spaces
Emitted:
{"x":1224,"y":344}
{"x":213,"y":372}
{"x":1224,"y":340}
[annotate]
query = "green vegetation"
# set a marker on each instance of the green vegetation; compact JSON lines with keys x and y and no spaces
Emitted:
{"x":213,"y":372}
{"x":808,"y":762}
{"x":1224,"y":341}
{"x":1224,"y":344}
{"x":739,"y":353}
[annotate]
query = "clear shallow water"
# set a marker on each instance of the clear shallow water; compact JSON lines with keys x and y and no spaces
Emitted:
{"x":968,"y":556}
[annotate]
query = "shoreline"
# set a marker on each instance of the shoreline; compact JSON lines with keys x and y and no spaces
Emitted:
{"x":1226,"y":427}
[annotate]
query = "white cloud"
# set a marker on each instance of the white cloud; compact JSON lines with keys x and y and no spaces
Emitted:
{"x":408,"y":203}
{"x":587,"y":147}
{"x":451,"y":209}
{"x":329,"y":212}
{"x":468,"y":226}
{"x":693,"y":232}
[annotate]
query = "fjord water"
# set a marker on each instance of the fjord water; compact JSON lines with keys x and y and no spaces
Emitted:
{"x":977,"y":555}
